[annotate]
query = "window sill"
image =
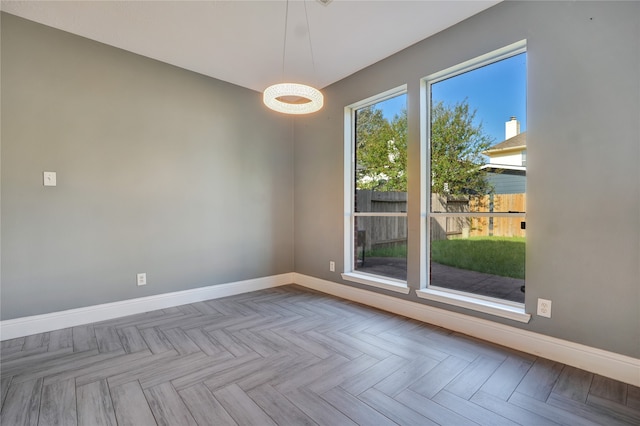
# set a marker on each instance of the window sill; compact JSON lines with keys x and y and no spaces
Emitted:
{"x":376,"y":281}
{"x":504,"y":310}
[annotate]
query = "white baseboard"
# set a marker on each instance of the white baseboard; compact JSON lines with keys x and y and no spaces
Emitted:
{"x":609,"y":364}
{"x":10,"y":329}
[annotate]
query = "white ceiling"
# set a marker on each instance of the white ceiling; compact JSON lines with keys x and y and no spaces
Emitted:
{"x":242,"y":41}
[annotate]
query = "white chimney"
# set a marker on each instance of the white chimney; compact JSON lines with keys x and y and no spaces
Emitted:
{"x":511,"y":128}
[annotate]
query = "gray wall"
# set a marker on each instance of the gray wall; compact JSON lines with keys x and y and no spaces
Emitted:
{"x":191,"y":180}
{"x":160,"y":170}
{"x":583,"y":179}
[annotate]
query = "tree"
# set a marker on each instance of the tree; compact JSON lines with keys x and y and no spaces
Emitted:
{"x":381,"y":148}
{"x":456,"y":151}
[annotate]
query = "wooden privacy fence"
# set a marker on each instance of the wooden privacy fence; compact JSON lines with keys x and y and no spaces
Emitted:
{"x":373,"y":232}
{"x":463,"y":227}
{"x":441,"y":227}
{"x":498,"y":226}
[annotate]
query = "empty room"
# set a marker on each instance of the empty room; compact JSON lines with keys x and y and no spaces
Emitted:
{"x":320,"y":212}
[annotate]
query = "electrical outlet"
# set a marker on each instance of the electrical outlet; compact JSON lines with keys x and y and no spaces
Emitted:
{"x":332,"y":266}
{"x":142,"y":279}
{"x":544,"y":308}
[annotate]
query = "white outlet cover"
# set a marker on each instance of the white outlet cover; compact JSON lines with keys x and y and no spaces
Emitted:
{"x":142,"y":279}
{"x":49,"y":178}
{"x":544,"y":308}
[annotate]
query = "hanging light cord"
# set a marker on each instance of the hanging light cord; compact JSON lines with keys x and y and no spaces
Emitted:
{"x":313,"y":62}
{"x":286,"y":26}
{"x":284,"y":46}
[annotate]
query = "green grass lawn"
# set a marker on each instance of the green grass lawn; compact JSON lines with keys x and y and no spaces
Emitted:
{"x":503,"y":256}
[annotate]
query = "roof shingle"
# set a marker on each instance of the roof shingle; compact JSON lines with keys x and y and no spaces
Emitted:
{"x":519,"y":140}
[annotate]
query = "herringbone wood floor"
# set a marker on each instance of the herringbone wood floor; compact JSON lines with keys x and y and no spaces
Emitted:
{"x":291,"y":356}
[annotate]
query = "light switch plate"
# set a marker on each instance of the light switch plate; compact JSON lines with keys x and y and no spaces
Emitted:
{"x":49,"y":178}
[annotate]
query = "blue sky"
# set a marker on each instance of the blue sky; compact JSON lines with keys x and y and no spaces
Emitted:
{"x":496,"y":91}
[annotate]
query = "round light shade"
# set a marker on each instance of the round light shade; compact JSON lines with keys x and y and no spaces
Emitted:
{"x":293,"y":98}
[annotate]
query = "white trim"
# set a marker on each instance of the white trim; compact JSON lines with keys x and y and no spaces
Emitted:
{"x":349,"y":174}
{"x":598,"y":361}
{"x":477,"y":303}
{"x":349,"y":177}
{"x":10,"y":329}
{"x":425,"y":173}
{"x":377,"y":281}
{"x":479,"y":61}
{"x":425,"y":181}
{"x":379,"y":97}
{"x":504,"y":167}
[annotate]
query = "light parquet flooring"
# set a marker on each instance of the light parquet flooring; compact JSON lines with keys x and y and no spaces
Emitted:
{"x":289,"y":356}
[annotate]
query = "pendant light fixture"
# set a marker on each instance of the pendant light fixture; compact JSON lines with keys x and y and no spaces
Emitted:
{"x":293,"y":98}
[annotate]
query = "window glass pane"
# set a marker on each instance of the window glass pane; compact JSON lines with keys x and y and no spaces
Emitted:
{"x":381,"y":156}
{"x":381,"y":246}
{"x":480,"y":255}
{"x":477,"y":159}
{"x":513,"y":202}
{"x":478,"y":132}
{"x":368,"y":200}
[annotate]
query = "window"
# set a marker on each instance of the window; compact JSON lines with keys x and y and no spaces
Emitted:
{"x":376,"y":191}
{"x":474,"y":124}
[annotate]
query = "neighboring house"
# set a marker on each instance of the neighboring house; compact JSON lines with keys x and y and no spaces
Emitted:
{"x":507,"y":165}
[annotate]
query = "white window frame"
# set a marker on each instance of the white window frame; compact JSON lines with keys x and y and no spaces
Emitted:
{"x":350,"y":273}
{"x":493,"y":306}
